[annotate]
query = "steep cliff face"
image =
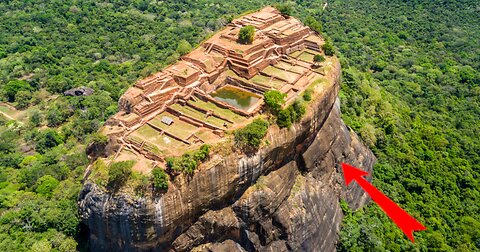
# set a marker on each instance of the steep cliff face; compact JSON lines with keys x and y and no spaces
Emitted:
{"x":283,"y":197}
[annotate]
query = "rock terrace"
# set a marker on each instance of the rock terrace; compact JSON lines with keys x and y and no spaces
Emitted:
{"x":175,"y":110}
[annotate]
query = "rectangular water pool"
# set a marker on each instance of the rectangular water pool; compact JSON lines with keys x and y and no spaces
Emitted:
{"x":236,"y":97}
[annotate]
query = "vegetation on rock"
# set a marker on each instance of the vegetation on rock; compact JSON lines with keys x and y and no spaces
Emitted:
{"x":250,"y":137}
{"x":274,"y":100}
{"x":291,"y":114}
{"x":328,"y":49}
{"x":318,"y":58}
{"x":159,"y":178}
{"x":246,"y":34}
{"x":119,"y":172}
{"x":307,"y":95}
{"x":189,"y":161}
{"x":284,"y":117}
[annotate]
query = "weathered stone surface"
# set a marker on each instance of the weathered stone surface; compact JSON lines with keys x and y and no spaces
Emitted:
{"x":214,"y":225}
{"x":79,"y":91}
{"x":334,"y":144}
{"x":266,"y":195}
{"x":227,"y":245}
{"x":283,"y":197}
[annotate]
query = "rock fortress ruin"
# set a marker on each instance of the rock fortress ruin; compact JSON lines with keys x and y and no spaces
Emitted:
{"x":215,"y":88}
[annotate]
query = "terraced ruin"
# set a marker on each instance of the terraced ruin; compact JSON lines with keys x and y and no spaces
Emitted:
{"x":217,"y":87}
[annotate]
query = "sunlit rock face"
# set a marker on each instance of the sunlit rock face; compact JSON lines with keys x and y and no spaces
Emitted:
{"x":283,"y":197}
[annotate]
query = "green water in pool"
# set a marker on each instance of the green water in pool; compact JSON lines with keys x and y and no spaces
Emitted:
{"x":236,"y":97}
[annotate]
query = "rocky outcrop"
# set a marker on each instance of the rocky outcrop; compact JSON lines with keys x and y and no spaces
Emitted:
{"x":79,"y":91}
{"x":283,"y":197}
{"x":292,"y":210}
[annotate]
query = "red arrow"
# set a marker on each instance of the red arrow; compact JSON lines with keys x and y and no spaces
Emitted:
{"x":404,"y":221}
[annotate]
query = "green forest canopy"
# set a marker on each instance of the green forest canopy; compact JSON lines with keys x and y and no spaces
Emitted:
{"x":410,"y":89}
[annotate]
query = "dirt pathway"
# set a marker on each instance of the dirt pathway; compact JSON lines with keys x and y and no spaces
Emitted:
{"x":7,"y":116}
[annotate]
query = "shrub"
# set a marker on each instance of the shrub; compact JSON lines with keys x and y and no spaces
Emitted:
{"x":250,"y":137}
{"x":189,"y":161}
{"x":284,"y":119}
{"x":307,"y":95}
{"x":246,"y":34}
{"x":292,"y":114}
{"x":274,"y":100}
{"x":299,"y":109}
{"x":160,"y":179}
{"x":328,"y":49}
{"x":119,"y":172}
{"x":318,"y":58}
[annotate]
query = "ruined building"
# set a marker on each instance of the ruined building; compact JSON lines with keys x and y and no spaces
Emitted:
{"x":220,"y":61}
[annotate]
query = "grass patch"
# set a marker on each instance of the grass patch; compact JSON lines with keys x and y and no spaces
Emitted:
{"x":206,"y":135}
{"x":228,"y":114}
{"x":179,"y":128}
{"x":162,"y":142}
{"x":268,"y":81}
{"x":147,"y":132}
{"x":308,"y":57}
{"x":295,"y":54}
{"x":198,"y":115}
{"x":273,"y":71}
{"x":290,"y":67}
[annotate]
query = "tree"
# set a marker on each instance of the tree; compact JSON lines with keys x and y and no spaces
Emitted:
{"x":46,"y":185}
{"x":274,"y":100}
{"x":189,"y":161}
{"x":7,"y":140}
{"x":14,"y":86}
{"x":313,"y":24}
{"x":318,"y":58}
{"x":246,"y":34}
{"x":184,"y":47}
{"x":203,"y":153}
{"x":54,"y":117}
{"x":47,"y":140}
{"x":160,"y":179}
{"x":23,"y":99}
{"x":284,"y":8}
{"x":291,"y":114}
{"x":36,"y":118}
{"x":299,"y":109}
{"x":328,"y":49}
